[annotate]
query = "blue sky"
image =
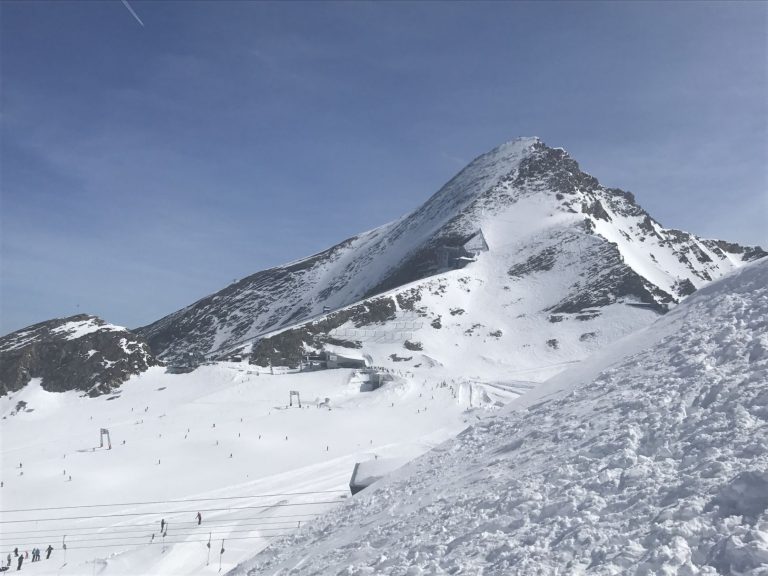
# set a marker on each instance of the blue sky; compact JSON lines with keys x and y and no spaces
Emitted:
{"x":145,"y":167}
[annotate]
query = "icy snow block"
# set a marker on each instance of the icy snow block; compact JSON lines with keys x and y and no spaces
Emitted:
{"x":366,"y":473}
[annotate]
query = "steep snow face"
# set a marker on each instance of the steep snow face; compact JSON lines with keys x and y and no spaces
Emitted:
{"x":495,"y":198}
{"x":518,"y":313}
{"x":651,"y":458}
{"x":541,"y":291}
{"x":77,"y":353}
{"x":334,"y":278}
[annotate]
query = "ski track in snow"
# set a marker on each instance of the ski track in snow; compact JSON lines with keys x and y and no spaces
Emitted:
{"x":649,"y":459}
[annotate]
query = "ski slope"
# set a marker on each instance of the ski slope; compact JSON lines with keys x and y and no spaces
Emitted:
{"x":223,"y":436}
{"x":648,"y":458}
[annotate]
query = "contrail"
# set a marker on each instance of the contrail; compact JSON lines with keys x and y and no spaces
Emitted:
{"x":125,"y":3}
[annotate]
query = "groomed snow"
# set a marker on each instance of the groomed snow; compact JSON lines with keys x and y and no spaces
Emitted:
{"x":651,"y":458}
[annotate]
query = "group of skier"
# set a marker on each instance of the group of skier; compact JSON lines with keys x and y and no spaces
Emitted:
{"x":21,"y":557}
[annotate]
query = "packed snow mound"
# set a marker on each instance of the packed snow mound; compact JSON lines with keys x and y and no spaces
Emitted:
{"x":77,"y":353}
{"x":649,"y":459}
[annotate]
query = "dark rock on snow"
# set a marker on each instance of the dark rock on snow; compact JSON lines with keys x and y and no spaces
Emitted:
{"x":77,"y":353}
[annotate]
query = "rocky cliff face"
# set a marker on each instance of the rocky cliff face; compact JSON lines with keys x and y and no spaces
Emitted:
{"x":76,"y":353}
{"x":538,"y":212}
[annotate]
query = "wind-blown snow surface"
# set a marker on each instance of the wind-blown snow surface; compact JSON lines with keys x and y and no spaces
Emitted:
{"x":224,"y":431}
{"x":649,"y":459}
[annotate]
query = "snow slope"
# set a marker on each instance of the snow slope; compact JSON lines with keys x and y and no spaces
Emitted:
{"x":223,"y":435}
{"x":650,"y":458}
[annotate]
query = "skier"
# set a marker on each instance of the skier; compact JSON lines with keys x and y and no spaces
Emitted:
{"x":21,"y":561}
{"x":199,"y":518}
{"x":16,"y":551}
{"x":48,"y":551}
{"x":9,"y":559}
{"x":162,"y":524}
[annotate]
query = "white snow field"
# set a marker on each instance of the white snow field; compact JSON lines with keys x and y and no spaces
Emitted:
{"x":648,"y":458}
{"x":165,"y":447}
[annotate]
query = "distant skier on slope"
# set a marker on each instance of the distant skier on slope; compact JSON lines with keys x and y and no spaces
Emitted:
{"x":48,"y":551}
{"x":199,"y":518}
{"x":21,"y":561}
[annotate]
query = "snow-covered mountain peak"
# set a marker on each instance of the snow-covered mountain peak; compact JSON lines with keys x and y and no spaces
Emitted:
{"x":491,"y":166}
{"x":518,"y":212}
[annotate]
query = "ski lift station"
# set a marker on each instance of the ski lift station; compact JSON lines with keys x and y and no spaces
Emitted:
{"x":330,"y":360}
{"x":189,"y":362}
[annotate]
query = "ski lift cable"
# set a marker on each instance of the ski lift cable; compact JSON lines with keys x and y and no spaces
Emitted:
{"x":130,"y":528}
{"x":224,"y":522}
{"x":178,"y":500}
{"x":166,"y":542}
{"x":170,"y":512}
{"x":146,"y":534}
{"x":105,"y":530}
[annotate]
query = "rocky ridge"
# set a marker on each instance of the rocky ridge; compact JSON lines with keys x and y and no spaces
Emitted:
{"x":77,"y":353}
